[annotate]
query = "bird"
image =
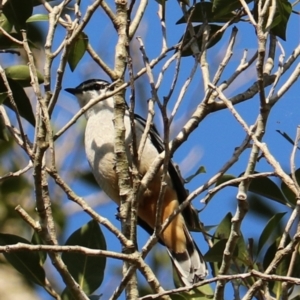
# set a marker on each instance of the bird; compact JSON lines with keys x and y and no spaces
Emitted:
{"x":99,"y":147}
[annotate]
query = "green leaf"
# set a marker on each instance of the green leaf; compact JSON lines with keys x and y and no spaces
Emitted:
{"x":3,"y":96}
{"x":265,"y":187}
{"x":200,"y":293}
{"x":21,"y":74}
{"x":202,"y":9}
{"x":282,"y":15}
{"x":224,"y":7}
{"x":38,"y":18}
{"x":26,"y":262}
{"x":77,"y":50}
{"x":88,"y":178}
{"x":211,"y":42}
{"x":38,"y":2}
{"x":215,"y":253}
{"x":224,"y":178}
{"x":36,"y":240}
{"x":186,"y":2}
{"x":223,"y":229}
{"x":17,"y":12}
{"x":178,"y":297}
{"x":200,"y":170}
{"x":3,"y":130}
{"x":7,"y":43}
{"x":22,"y":101}
{"x":268,"y":230}
{"x":287,"y":137}
{"x":88,"y":271}
{"x":5,"y":24}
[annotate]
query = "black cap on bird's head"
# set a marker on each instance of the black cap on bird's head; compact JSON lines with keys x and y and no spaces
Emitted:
{"x":89,"y":85}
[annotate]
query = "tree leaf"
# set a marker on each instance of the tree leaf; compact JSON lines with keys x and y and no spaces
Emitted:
{"x":38,"y":2}
{"x":224,"y":7}
{"x":3,"y":96}
{"x":223,"y":229}
{"x":38,"y":18}
{"x":287,"y":137}
{"x":77,"y":50}
{"x":200,"y":170}
{"x":215,"y":253}
{"x":17,"y":12}
{"x":22,"y":101}
{"x":26,"y":262}
{"x":265,"y":187}
{"x":199,"y":293}
{"x":88,"y":271}
{"x":3,"y":130}
{"x":224,"y":178}
{"x":205,"y":9}
{"x":268,"y":230}
{"x":21,"y":74}
{"x":5,"y":24}
{"x":213,"y":30}
{"x":36,"y":240}
{"x":281,"y":18}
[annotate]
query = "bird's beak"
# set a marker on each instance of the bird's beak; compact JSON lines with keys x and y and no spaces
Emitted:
{"x":72,"y":91}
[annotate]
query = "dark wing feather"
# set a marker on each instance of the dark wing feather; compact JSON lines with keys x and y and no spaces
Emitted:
{"x":189,"y":213}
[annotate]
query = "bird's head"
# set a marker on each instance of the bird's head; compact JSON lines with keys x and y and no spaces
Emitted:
{"x":89,"y":89}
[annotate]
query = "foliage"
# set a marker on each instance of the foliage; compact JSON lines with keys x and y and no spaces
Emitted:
{"x":42,"y":169}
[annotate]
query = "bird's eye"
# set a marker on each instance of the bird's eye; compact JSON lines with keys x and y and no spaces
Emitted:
{"x":98,"y":86}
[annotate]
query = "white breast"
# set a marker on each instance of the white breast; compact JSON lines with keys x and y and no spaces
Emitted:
{"x":99,"y":147}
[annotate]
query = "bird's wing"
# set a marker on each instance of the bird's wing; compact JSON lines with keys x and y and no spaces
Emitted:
{"x":189,"y":213}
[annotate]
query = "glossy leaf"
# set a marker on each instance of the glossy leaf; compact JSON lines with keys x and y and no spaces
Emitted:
{"x":224,"y":7}
{"x":36,"y":240}
{"x":178,"y":297}
{"x":199,"y":293}
{"x":3,"y":96}
{"x":279,"y":23}
{"x":265,"y":187}
{"x":22,"y":101}
{"x":224,"y":178}
{"x":215,"y":254}
{"x":88,"y":271}
{"x":17,"y":12}
{"x":5,"y":24}
{"x":38,"y":18}
{"x":284,"y":11}
{"x":26,"y":262}
{"x":223,"y":229}
{"x":3,"y":130}
{"x":77,"y":51}
{"x":21,"y":74}
{"x":38,"y":2}
{"x":211,"y":43}
{"x":205,"y":9}
{"x":200,"y":170}
{"x":186,"y":2}
{"x":220,"y":237}
{"x":7,"y":43}
{"x":268,"y":230}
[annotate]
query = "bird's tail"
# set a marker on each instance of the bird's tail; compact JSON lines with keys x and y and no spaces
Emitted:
{"x":190,"y":264}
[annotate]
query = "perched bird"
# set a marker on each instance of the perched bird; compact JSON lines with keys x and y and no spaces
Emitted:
{"x":99,"y":148}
